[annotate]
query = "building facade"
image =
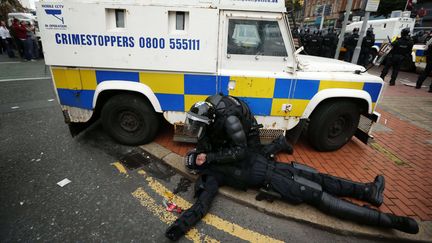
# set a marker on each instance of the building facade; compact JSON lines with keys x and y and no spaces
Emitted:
{"x":334,"y":13}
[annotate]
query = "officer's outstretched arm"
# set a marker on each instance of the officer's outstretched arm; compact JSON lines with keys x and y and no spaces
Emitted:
{"x":237,"y":152}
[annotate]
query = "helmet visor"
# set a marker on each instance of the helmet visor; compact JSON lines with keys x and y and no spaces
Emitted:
{"x":194,"y":126}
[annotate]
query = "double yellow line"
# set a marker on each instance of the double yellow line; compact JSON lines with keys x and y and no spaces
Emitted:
{"x":194,"y":235}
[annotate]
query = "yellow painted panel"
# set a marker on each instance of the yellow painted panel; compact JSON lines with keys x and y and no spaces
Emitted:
{"x":67,"y":79}
{"x":189,"y":100}
{"x":164,"y":83}
{"x":420,"y":59}
{"x":298,"y":107}
{"x":277,"y":107}
{"x":59,"y":78}
{"x":253,"y":87}
{"x":324,"y":84}
{"x":373,"y":106}
{"x":88,"y":79}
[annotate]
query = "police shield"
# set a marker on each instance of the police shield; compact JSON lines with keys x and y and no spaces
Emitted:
{"x":382,"y":54}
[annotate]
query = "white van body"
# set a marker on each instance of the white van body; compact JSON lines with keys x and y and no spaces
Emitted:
{"x":176,"y":53}
{"x":385,"y":29}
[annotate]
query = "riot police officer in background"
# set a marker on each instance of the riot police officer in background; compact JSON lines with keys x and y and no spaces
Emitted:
{"x":228,"y":153}
{"x":306,"y":40}
{"x":366,"y":49}
{"x":402,"y":48}
{"x":314,"y":44}
{"x":350,"y":43}
{"x":428,"y":69}
{"x":329,"y":44}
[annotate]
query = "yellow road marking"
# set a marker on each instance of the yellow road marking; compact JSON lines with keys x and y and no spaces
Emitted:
{"x":167,"y":217}
{"x":387,"y":153}
{"x":210,"y":219}
{"x":120,"y":168}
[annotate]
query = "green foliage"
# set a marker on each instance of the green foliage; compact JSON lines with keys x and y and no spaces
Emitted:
{"x":387,"y":6}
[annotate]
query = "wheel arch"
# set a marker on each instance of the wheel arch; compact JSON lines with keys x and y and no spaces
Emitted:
{"x":108,"y":89}
{"x":360,"y":97}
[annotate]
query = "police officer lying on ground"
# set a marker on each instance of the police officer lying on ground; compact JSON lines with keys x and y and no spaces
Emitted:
{"x":229,"y":155}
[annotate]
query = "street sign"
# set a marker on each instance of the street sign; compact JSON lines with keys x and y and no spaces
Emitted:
{"x":372,"y":5}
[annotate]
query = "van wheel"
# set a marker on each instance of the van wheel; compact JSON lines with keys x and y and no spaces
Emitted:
{"x":333,"y":125}
{"x":129,"y":119}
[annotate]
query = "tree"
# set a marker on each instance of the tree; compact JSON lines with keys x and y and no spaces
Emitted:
{"x":387,"y":6}
{"x":9,"y":6}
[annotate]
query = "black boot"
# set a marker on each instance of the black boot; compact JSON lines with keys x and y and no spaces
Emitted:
{"x":392,"y":82}
{"x":418,"y":84}
{"x":374,"y":191}
{"x":278,"y":145}
{"x":404,"y":224}
{"x":350,"y":211}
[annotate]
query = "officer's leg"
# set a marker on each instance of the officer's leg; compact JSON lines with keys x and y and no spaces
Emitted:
{"x":424,"y":75}
{"x":369,"y":192}
{"x":387,"y":66}
{"x":396,"y":66}
{"x":280,"y":144}
{"x":300,"y":189}
{"x":206,"y":189}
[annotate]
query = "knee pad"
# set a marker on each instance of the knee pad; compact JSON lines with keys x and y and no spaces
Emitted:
{"x":303,"y":167}
{"x":311,"y":191}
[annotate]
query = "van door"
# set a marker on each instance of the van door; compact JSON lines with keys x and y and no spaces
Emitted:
{"x":256,"y":61}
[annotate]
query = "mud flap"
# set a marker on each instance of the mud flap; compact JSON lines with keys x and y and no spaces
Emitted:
{"x":365,"y":127}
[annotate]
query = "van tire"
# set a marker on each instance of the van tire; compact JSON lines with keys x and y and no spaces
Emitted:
{"x":333,"y":125}
{"x":130,"y":119}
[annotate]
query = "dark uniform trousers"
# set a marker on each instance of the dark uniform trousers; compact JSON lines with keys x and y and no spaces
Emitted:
{"x":394,"y":62}
{"x":425,"y":73}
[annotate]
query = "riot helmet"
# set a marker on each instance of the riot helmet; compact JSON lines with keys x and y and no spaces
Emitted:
{"x":405,"y":32}
{"x":369,"y":32}
{"x":200,"y":115}
{"x":355,"y":31}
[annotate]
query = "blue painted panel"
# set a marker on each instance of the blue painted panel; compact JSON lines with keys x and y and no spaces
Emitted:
{"x":171,"y":102}
{"x":223,"y":84}
{"x":259,"y":106}
{"x":420,"y":53}
{"x":81,"y":99}
{"x":114,"y":75}
{"x":282,"y":88}
{"x":200,"y":84}
{"x":306,"y":89}
{"x":373,"y":89}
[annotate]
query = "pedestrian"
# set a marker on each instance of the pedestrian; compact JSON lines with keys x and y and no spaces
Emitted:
{"x":350,"y":43}
{"x":32,"y":41}
{"x":366,"y":48}
{"x":228,"y":157}
{"x":402,"y":48}
{"x":29,"y":41}
{"x":427,"y":71}
{"x":329,"y":44}
{"x":19,"y":33}
{"x":6,"y":40}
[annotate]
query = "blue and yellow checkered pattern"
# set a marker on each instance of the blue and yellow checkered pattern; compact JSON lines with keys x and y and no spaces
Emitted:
{"x":178,"y":92}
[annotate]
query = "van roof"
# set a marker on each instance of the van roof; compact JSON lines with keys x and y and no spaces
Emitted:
{"x":253,"y":5}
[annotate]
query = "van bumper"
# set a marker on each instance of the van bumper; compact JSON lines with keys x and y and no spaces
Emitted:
{"x":365,"y":127}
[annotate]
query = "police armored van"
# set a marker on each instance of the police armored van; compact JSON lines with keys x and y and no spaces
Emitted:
{"x":127,"y":62}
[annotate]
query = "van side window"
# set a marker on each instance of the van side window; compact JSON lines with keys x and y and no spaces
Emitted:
{"x":255,"y":37}
{"x":180,"y":20}
{"x":120,"y":16}
{"x":115,"y":18}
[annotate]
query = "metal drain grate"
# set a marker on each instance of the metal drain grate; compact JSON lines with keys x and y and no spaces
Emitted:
{"x":266,"y":135}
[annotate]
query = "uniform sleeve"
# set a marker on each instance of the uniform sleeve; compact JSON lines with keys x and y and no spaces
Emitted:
{"x":237,"y":151}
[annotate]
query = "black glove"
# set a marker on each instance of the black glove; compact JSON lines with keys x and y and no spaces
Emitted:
{"x":174,"y":232}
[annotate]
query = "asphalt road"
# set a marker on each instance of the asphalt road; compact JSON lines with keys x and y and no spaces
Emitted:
{"x":105,"y":200}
